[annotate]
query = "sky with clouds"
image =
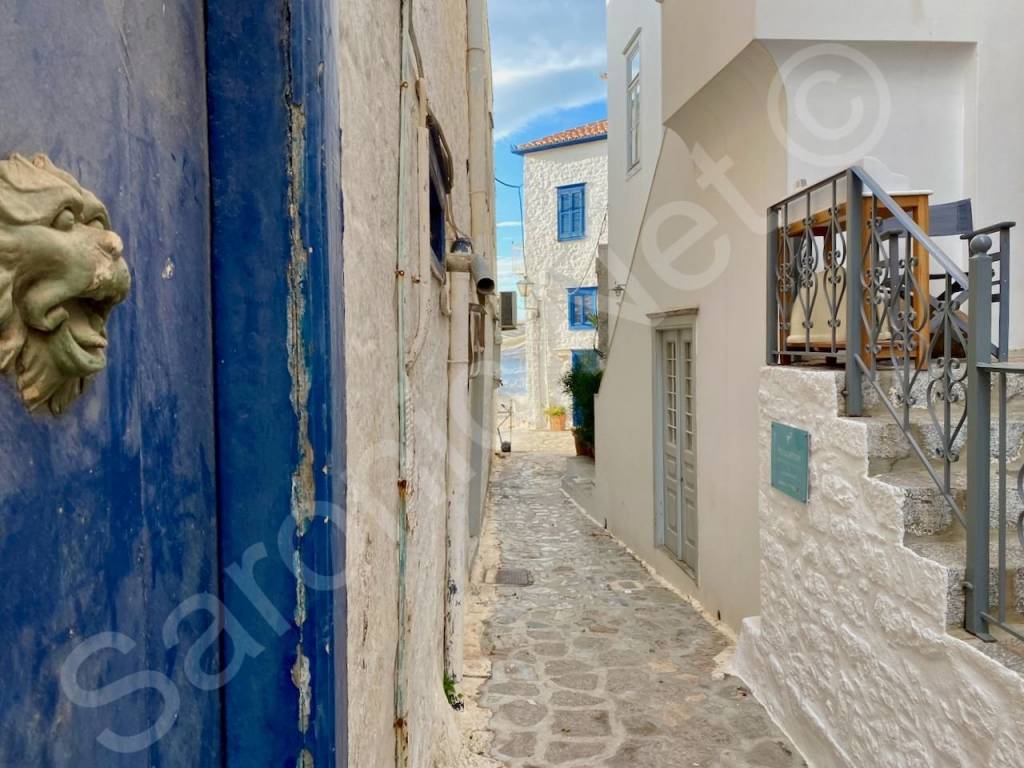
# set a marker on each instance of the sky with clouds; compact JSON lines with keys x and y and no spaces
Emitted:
{"x":548,"y":58}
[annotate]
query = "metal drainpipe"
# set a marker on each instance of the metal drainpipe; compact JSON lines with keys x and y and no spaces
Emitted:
{"x":480,"y":176}
{"x":460,"y":261}
{"x":481,"y":189}
{"x":459,"y":446}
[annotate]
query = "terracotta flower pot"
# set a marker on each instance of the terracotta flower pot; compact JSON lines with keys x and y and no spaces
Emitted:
{"x":557,"y":423}
{"x":583,"y":448}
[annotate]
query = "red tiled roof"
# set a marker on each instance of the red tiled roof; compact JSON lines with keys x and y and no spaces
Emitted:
{"x":589,"y":132}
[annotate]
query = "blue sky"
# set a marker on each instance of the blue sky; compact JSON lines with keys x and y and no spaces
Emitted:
{"x":548,"y":59}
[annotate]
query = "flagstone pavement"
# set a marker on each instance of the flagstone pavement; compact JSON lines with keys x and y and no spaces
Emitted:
{"x":594,"y":663}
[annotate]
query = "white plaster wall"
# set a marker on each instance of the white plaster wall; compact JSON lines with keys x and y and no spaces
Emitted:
{"x":557,"y":266}
{"x":370,"y":76}
{"x":675,"y":267}
{"x":629,"y":189}
{"x":367,"y":60}
{"x":708,"y":35}
{"x":903,"y":104}
{"x":850,"y":653}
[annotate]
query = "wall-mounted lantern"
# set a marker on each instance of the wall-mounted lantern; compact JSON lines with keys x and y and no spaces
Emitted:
{"x":524,"y":286}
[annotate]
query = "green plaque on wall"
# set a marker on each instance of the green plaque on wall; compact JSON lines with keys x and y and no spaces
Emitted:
{"x":791,"y":461}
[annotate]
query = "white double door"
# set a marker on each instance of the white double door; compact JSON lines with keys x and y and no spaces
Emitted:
{"x":678,"y":440}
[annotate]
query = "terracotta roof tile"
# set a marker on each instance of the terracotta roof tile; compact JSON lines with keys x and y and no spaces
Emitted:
{"x":578,"y":135}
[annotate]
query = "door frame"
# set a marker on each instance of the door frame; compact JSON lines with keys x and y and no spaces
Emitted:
{"x":673,"y":320}
{"x":279,"y":368}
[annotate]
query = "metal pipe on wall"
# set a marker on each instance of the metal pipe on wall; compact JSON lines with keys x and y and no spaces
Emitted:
{"x":459,"y":446}
{"x":409,"y":68}
{"x":481,"y":182}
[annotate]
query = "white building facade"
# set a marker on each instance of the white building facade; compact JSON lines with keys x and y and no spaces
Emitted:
{"x":742,"y":104}
{"x":565,"y":185}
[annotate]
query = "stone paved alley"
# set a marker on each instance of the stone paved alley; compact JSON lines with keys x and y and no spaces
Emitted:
{"x":594,"y":663}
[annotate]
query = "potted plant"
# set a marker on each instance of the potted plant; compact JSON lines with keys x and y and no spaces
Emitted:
{"x":582,"y":383}
{"x":556,"y":417}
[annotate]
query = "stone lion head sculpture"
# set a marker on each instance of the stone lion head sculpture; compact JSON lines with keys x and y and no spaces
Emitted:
{"x":61,"y":274}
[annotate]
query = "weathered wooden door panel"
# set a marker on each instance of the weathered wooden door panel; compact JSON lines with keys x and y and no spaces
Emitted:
{"x":107,"y":513}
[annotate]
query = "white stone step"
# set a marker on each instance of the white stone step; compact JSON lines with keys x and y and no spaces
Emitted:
{"x":951,"y":554}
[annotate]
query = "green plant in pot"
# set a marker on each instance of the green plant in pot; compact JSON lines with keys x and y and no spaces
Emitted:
{"x":556,"y":417}
{"x":582,"y":383}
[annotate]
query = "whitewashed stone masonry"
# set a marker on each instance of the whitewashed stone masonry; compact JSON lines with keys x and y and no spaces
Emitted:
{"x":850,"y":654}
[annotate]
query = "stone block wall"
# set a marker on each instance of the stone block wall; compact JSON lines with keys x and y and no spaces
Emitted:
{"x":850,"y":654}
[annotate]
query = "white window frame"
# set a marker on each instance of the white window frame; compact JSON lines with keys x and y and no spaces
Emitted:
{"x":633,"y":95}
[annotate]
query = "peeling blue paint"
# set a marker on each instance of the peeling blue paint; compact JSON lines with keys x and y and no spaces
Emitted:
{"x":221,"y":415}
{"x":107,"y":515}
{"x":275,"y":140}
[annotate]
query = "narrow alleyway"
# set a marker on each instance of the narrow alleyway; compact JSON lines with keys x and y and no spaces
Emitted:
{"x":592,"y":662}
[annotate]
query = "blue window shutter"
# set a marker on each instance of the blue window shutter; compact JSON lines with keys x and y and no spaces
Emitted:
{"x":564,"y":217}
{"x":572,"y":212}
{"x":578,"y":210}
{"x":580,"y":213}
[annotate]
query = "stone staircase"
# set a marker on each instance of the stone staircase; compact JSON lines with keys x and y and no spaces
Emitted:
{"x":930,"y":528}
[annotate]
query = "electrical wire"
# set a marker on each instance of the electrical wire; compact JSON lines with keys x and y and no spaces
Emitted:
{"x":597,"y":250}
{"x":522,"y":220}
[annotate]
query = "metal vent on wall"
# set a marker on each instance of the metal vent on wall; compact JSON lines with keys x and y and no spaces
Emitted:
{"x":509,"y":311}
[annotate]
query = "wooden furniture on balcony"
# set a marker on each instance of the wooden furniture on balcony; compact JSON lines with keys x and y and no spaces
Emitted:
{"x":916,"y":204}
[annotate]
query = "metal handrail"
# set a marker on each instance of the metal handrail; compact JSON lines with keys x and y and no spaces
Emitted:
{"x":923,"y":341}
{"x":911,"y":226}
{"x":978,"y":619}
{"x":896,"y":212}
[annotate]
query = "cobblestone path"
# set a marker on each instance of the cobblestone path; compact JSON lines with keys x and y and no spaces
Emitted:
{"x":594,"y":663}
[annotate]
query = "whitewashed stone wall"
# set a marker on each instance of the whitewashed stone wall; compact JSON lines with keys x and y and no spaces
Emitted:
{"x":850,"y":653}
{"x":555,"y":266}
{"x":370,"y":65}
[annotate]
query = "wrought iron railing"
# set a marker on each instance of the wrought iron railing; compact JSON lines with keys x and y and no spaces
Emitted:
{"x":855,"y":279}
{"x":983,"y":367}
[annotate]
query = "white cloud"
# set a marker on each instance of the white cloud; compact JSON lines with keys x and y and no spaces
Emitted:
{"x":548,"y":56}
{"x":510,"y":268}
{"x":509,"y":224}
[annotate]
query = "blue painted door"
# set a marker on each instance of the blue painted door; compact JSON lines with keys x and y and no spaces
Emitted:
{"x":108,"y":513}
